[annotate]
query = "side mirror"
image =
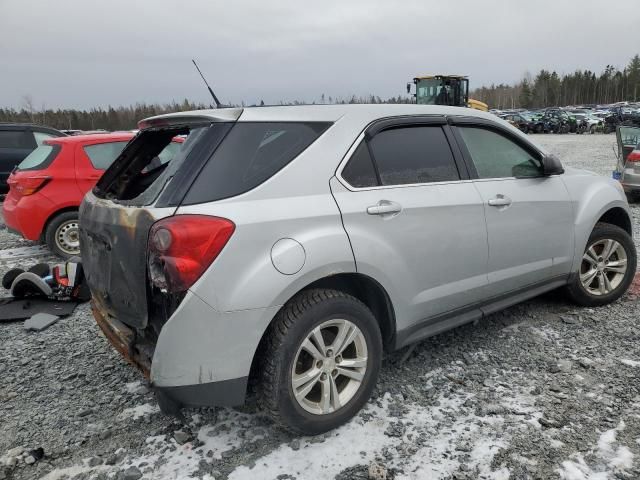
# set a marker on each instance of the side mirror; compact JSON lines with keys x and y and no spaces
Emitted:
{"x":551,"y":165}
{"x":408,"y":87}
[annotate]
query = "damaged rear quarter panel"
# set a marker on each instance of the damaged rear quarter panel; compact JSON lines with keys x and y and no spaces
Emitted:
{"x":113,"y":247}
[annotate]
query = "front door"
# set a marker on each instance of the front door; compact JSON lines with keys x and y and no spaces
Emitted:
{"x":414,"y":221}
{"x":529,"y":215}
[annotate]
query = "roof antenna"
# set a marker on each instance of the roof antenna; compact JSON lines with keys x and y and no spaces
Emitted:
{"x":215,"y":99}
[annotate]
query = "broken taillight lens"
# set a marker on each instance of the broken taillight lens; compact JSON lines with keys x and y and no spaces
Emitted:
{"x":27,"y":185}
{"x":634,"y":156}
{"x":182,"y":247}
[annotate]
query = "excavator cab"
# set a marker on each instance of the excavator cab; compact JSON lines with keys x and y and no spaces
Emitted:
{"x":451,"y":90}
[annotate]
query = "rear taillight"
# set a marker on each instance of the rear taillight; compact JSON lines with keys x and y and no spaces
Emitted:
{"x":182,"y":247}
{"x":634,"y":156}
{"x":27,"y":185}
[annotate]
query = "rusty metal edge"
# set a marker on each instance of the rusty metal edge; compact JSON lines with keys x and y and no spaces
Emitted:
{"x":121,"y":338}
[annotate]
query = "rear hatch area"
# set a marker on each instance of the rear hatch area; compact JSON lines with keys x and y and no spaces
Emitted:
{"x":136,"y":191}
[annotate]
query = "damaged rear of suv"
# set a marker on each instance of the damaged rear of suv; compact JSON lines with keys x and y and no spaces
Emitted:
{"x":149,"y":232}
{"x":291,"y":245}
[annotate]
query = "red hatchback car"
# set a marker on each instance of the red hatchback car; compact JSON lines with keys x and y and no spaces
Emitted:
{"x":47,"y":187}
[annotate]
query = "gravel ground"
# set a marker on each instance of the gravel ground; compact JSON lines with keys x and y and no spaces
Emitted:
{"x":542,"y":390}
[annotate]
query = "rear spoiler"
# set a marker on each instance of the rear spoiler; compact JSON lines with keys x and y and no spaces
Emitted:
{"x":196,"y":116}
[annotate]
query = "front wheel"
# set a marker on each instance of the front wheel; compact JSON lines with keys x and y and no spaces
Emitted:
{"x":62,"y":235}
{"x":321,"y":360}
{"x":607,"y":267}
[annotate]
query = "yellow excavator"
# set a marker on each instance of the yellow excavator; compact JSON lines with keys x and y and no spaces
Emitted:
{"x":452,"y":90}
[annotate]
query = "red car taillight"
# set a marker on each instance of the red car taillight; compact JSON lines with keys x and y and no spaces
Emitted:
{"x":27,"y":185}
{"x":182,"y":247}
{"x":634,"y":156}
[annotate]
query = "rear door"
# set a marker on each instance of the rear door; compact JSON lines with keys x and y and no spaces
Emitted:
{"x":529,"y":216}
{"x":92,"y":160}
{"x":415,"y":221}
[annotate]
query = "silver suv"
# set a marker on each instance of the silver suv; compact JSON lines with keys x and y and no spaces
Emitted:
{"x":287,"y":247}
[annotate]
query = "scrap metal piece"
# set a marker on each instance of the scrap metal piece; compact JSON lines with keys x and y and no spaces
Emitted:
{"x":40,"y":321}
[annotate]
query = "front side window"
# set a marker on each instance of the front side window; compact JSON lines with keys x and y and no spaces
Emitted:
{"x":495,"y":156}
{"x":413,"y":155}
{"x":102,"y":155}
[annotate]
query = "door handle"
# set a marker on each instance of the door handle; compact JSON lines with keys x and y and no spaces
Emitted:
{"x":500,"y":201}
{"x":384,"y":207}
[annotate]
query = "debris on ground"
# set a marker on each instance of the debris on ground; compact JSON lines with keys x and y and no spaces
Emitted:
{"x":40,"y":321}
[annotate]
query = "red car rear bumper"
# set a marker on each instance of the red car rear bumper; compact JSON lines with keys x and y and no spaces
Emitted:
{"x":26,"y":215}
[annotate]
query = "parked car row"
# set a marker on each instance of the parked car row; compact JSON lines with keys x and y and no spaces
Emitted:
{"x":572,"y":119}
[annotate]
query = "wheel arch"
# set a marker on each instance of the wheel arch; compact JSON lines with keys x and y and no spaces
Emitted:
{"x":52,"y":216}
{"x":363,"y":287}
{"x":619,"y":217}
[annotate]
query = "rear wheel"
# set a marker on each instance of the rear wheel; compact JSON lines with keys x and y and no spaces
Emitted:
{"x":321,"y":361}
{"x":607,"y":267}
{"x":62,"y":235}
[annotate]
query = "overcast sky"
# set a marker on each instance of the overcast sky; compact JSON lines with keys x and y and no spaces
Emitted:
{"x":84,"y":53}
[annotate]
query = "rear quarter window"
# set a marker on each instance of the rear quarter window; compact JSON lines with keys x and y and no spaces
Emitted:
{"x":251,"y":153}
{"x":40,"y":158}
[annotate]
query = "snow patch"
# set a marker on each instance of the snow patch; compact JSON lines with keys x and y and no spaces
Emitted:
{"x":131,"y":387}
{"x":609,"y":458}
{"x":630,"y":363}
{"x":139,"y":411}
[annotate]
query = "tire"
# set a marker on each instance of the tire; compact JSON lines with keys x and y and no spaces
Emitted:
{"x":282,"y":351}
{"x":617,"y":280}
{"x":592,"y":129}
{"x":61,"y":235}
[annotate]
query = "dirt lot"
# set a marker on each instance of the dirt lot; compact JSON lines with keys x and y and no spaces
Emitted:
{"x":541,"y":391}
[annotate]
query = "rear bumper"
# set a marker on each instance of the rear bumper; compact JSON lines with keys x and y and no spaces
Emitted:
{"x":225,"y":393}
{"x":202,"y":357}
{"x":26,"y":215}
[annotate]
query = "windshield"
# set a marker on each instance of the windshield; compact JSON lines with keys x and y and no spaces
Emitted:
{"x":427,"y":91}
{"x":39,"y":159}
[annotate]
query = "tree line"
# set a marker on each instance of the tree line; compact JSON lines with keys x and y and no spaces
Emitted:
{"x":126,"y":118}
{"x":546,"y":89}
{"x":583,"y":87}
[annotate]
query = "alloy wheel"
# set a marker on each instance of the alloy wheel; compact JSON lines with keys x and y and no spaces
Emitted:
{"x":329,"y":367}
{"x":603,"y":267}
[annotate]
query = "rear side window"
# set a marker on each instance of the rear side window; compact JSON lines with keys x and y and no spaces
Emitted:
{"x":413,"y":155}
{"x":40,"y":158}
{"x":251,"y":153}
{"x":495,"y":156}
{"x":359,"y":171}
{"x":14,"y":139}
{"x":102,"y":155}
